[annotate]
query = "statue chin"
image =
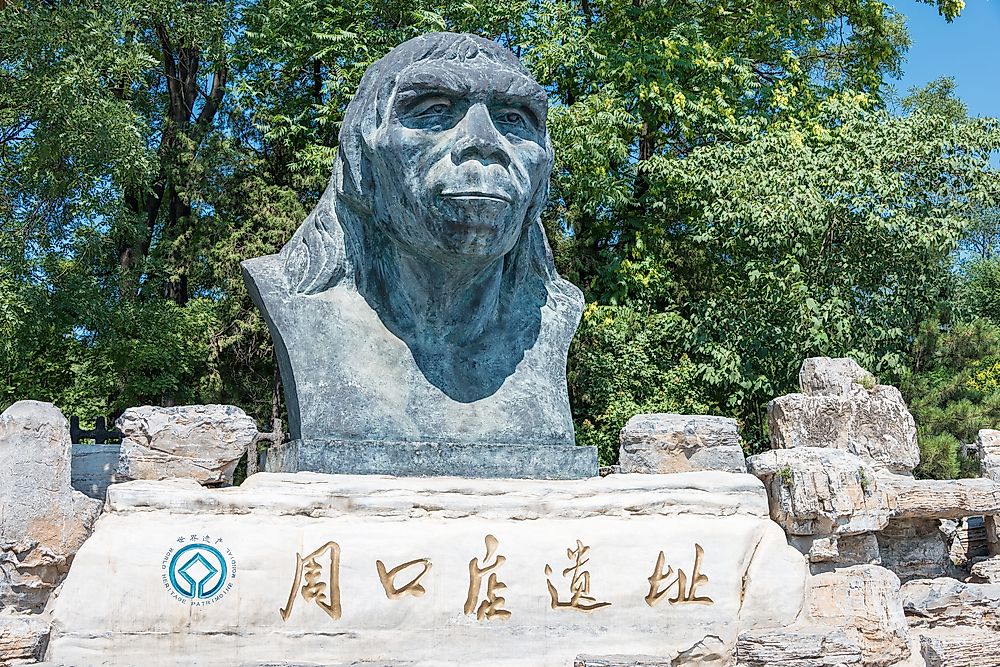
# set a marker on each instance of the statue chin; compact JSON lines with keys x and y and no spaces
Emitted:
{"x":479,"y":226}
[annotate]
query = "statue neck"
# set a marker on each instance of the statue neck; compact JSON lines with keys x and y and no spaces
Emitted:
{"x":453,"y":303}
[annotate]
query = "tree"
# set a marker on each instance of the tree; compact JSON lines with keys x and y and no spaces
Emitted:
{"x":145,"y":149}
{"x":953,"y":393}
{"x":937,"y":98}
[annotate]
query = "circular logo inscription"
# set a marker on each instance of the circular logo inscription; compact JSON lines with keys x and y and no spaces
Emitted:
{"x":198,"y":572}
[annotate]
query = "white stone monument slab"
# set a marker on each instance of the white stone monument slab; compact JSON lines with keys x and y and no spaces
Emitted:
{"x":321,"y":569}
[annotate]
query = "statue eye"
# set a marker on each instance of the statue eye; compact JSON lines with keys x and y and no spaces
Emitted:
{"x":434,"y":109}
{"x":511,"y":117}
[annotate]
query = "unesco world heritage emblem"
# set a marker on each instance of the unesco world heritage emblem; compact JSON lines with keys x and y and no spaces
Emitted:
{"x":199,"y":571}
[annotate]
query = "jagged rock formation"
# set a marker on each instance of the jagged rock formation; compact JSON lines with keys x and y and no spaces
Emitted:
{"x":43,"y":521}
{"x":666,"y":443}
{"x":199,"y":442}
{"x":841,"y":407}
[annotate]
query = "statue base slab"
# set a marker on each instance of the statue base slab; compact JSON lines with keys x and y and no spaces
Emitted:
{"x":433,"y":459}
{"x":336,"y":570}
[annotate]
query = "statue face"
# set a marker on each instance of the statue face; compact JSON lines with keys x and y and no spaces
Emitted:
{"x":458,"y":159}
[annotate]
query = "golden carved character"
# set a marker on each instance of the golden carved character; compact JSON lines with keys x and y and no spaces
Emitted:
{"x":412,"y":587}
{"x":491,"y":607}
{"x":685,"y":594}
{"x":579,"y":585}
{"x":315,"y":589}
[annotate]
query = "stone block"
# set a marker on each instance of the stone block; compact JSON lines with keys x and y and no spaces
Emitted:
{"x":864,"y":601}
{"x":942,"y":499}
{"x":915,"y":549}
{"x":666,"y":443}
{"x":199,"y":442}
{"x":824,"y":376}
{"x":832,"y":551}
{"x":949,"y":603}
{"x":960,"y":648}
{"x":988,"y":448}
{"x":429,"y":459}
{"x":94,"y":468}
{"x":622,"y":661}
{"x":43,"y":521}
{"x":873,"y":424}
{"x":279,"y":532}
{"x":805,"y":646}
{"x":22,"y":639}
{"x":986,"y":570}
{"x":819,"y":492}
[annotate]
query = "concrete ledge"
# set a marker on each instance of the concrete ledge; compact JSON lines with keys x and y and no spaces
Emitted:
{"x":318,"y":495}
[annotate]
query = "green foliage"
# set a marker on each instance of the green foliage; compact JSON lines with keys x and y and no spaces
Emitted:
{"x":864,"y":480}
{"x":937,"y":98}
{"x":978,"y":292}
{"x":729,"y":192}
{"x":953,"y":394}
{"x":939,"y":455}
{"x":830,"y":236}
{"x":618,"y":369}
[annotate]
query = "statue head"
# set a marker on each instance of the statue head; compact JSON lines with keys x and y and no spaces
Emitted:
{"x":444,"y":153}
{"x":419,"y":300}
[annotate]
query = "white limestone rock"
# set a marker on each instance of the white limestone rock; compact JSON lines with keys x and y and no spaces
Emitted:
{"x":752,"y":578}
{"x":806,"y":646}
{"x":915,"y":659}
{"x":960,"y":647}
{"x":622,"y":661}
{"x":43,"y":521}
{"x":987,"y":569}
{"x":666,"y":443}
{"x":942,"y":499}
{"x":199,"y":442}
{"x":842,"y":408}
{"x":819,"y":492}
{"x":864,"y":600}
{"x":22,"y":638}
{"x":949,"y":603}
{"x":826,"y":376}
{"x":988,"y":447}
{"x":831,"y":551}
{"x":916,"y":549}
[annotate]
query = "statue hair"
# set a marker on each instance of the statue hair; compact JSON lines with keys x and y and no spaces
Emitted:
{"x":334,"y":244}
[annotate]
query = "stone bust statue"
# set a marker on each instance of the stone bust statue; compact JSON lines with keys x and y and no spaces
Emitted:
{"x":417,"y":313}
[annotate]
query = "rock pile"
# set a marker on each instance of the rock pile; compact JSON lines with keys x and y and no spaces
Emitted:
{"x":43,"y":522}
{"x":839,"y":481}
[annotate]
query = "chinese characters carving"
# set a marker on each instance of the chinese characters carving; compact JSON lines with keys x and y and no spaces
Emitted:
{"x":315,"y":589}
{"x":579,"y":585}
{"x":492,"y":606}
{"x":686,"y":594}
{"x":317,"y":580}
{"x":412,"y":587}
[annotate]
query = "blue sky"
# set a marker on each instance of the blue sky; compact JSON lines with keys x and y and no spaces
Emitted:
{"x":967,"y":49}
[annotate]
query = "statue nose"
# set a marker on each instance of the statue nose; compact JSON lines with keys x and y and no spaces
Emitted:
{"x":478,"y":138}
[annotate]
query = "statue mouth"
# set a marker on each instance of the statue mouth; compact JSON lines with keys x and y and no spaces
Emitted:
{"x":472,"y":195}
